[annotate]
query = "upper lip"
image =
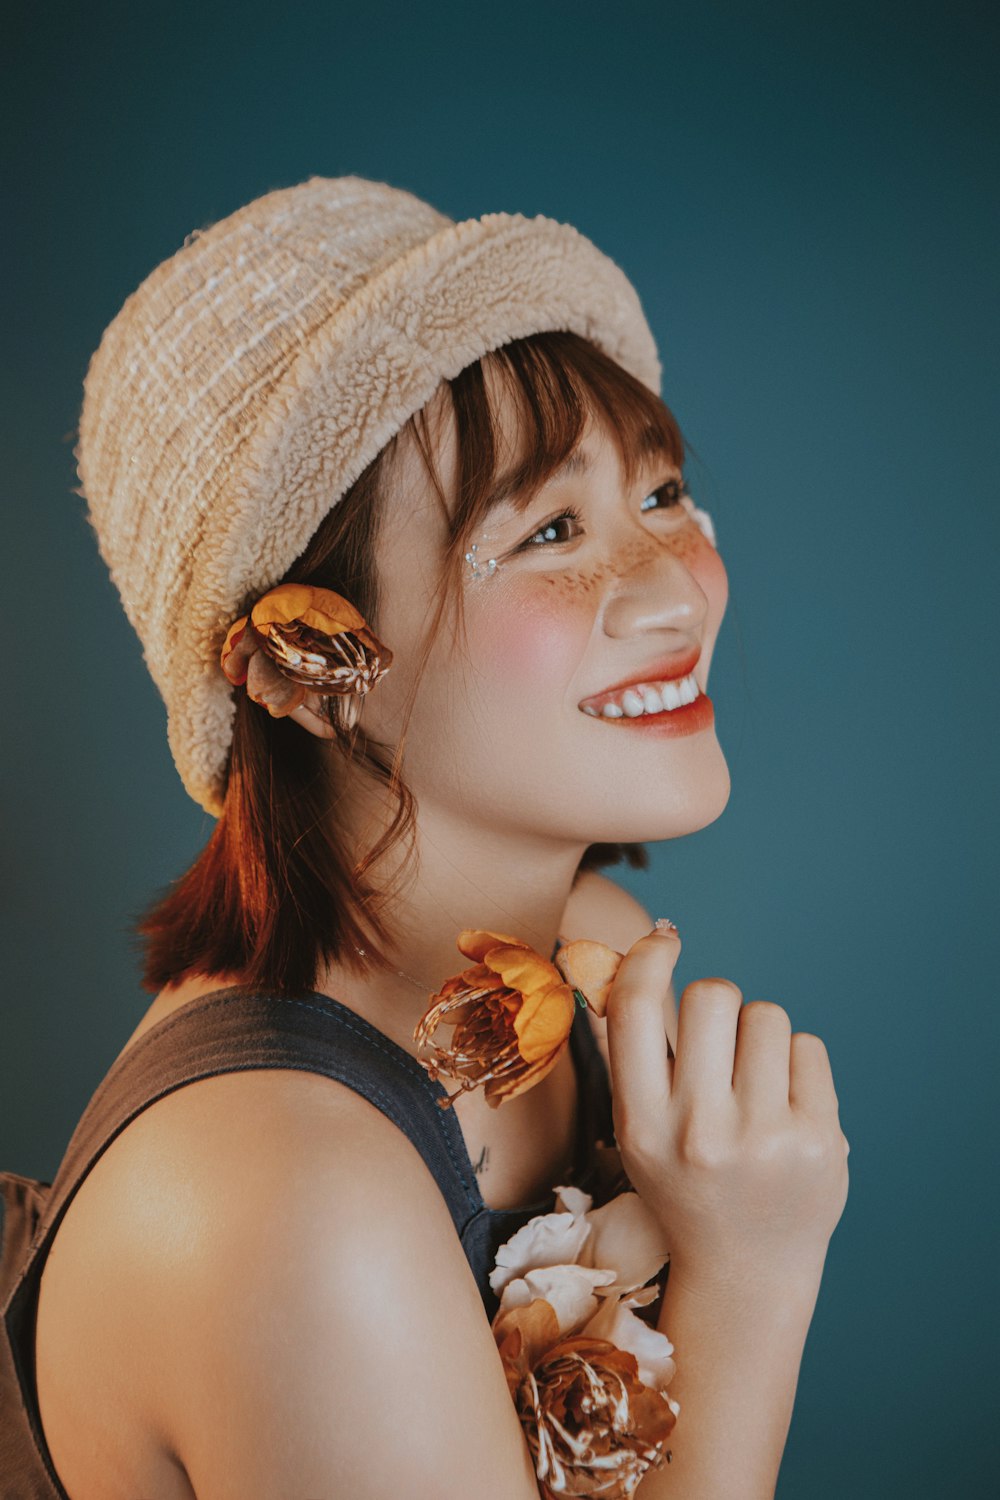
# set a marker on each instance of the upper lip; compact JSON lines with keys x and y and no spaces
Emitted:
{"x":667,"y":669}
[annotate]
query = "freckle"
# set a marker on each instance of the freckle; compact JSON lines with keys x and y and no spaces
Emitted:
{"x":574,"y":585}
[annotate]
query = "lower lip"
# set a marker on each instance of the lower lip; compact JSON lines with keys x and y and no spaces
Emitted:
{"x":688,"y":719}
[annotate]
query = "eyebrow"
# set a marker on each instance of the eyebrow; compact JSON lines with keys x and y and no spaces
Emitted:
{"x":577,"y":463}
{"x":500,"y":493}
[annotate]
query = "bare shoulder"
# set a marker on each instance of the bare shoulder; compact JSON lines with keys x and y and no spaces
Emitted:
{"x":320,"y":1328}
{"x":601,"y":909}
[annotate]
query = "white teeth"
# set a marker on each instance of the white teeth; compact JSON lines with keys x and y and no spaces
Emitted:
{"x":648,"y":698}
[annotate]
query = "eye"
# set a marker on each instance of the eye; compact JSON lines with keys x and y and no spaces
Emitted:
{"x":670,"y":495}
{"x":550,"y":531}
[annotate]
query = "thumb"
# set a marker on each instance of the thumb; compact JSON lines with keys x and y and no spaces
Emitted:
{"x":641,"y":1066}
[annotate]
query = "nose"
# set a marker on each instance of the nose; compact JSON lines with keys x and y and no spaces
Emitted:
{"x":658,"y":592}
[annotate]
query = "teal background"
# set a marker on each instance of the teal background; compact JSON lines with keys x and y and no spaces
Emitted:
{"x":803,"y":195}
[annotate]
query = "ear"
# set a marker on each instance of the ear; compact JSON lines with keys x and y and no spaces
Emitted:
{"x":311,"y":716}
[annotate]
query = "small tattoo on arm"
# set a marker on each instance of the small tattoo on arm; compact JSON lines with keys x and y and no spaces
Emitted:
{"x":480,"y":1165}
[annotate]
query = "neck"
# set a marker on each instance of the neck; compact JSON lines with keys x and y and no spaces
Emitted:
{"x":469,"y":875}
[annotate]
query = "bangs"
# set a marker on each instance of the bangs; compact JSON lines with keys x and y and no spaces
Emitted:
{"x":556,"y":383}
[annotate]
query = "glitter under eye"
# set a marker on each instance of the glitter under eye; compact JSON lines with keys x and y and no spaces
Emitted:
{"x":480,"y":568}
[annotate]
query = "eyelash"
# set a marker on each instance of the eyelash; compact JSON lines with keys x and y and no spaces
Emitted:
{"x":673,"y":488}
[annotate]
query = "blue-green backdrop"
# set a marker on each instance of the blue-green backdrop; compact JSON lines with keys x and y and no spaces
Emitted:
{"x":803,"y":193}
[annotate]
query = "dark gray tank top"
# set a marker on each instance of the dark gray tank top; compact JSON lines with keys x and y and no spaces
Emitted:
{"x":237,"y":1029}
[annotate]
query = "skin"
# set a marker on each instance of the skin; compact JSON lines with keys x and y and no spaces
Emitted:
{"x":513,"y":781}
{"x":736,"y":1146}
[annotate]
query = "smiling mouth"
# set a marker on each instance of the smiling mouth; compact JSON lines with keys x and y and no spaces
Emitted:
{"x":671,"y":684}
{"x":645,"y":699}
{"x":695,"y":717}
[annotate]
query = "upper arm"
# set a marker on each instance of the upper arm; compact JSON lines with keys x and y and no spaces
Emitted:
{"x":600,"y":909}
{"x":334,"y":1343}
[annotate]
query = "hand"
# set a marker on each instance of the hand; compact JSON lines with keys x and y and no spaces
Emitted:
{"x":735,"y":1144}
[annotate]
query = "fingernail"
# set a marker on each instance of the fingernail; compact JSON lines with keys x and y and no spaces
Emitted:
{"x":664,"y":924}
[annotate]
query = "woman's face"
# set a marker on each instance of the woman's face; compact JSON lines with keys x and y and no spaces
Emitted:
{"x":498,"y":738}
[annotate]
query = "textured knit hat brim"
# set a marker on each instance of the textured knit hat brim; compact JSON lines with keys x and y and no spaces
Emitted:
{"x":239,"y":462}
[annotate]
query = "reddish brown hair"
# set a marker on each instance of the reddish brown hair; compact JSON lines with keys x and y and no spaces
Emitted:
{"x":276,"y":894}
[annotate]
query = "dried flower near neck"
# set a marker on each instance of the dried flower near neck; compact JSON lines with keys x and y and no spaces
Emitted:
{"x":511,"y":1014}
{"x":299,"y":638}
{"x":589,"y":968}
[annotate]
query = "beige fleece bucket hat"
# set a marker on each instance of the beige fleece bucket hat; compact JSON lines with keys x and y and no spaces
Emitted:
{"x":253,"y":376}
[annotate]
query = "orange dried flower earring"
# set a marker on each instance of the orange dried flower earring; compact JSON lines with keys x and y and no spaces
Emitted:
{"x":299,"y":638}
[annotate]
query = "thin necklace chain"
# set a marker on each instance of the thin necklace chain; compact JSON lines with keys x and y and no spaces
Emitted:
{"x":427,"y":988}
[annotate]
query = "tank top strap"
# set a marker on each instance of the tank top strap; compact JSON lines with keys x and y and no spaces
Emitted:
{"x":241,"y":1029}
{"x":225,"y":1031}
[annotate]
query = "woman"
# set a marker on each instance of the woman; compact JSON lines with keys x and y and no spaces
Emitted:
{"x":269,"y":1276}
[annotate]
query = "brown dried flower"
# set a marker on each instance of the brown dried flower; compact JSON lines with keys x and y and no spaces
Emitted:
{"x":588,"y":1377}
{"x":592,"y":1426}
{"x":298,"y":638}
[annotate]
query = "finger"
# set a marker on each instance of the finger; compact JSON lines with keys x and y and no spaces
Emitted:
{"x":707,"y":1016}
{"x":810,"y":1084}
{"x":762,"y":1060}
{"x":637,"y":1040}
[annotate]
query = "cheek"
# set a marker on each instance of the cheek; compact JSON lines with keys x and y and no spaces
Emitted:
{"x":530,"y":640}
{"x":706,"y":567}
{"x":709,"y":570}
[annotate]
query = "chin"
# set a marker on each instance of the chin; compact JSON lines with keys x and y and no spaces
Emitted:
{"x":675,"y":812}
{"x":709,"y":809}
